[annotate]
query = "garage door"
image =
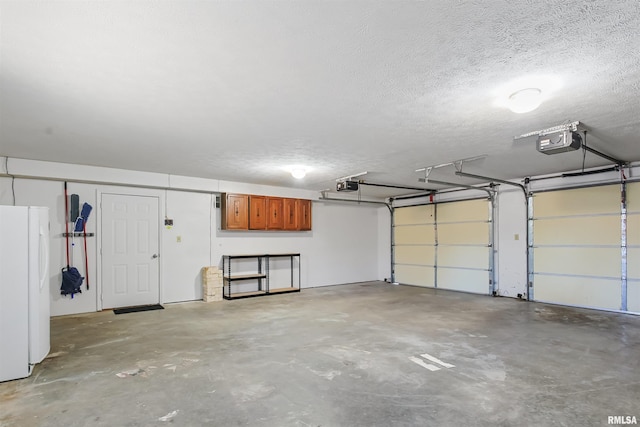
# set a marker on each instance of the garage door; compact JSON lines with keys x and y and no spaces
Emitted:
{"x":577,"y":254}
{"x":463,"y":233}
{"x":414,"y":245}
{"x":633,"y":247}
{"x":445,"y":245}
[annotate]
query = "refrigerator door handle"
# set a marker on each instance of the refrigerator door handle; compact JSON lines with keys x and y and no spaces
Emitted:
{"x":44,"y":258}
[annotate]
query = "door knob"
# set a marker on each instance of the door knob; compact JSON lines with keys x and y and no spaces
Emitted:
{"x":154,"y":256}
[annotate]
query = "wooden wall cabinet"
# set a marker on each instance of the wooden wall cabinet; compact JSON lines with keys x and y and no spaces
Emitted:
{"x":304,"y":214}
{"x":275,"y":220}
{"x":253,"y":212}
{"x":257,"y":212}
{"x":235,"y":212}
{"x":290,"y":214}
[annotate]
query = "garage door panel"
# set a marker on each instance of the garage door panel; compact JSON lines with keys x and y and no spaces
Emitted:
{"x":467,"y":210}
{"x":633,"y":197}
{"x":474,"y":233}
{"x":415,"y":234}
{"x":414,"y":275}
{"x":578,"y":261}
{"x":599,"y":230}
{"x":414,"y":215}
{"x":582,"y":201}
{"x":463,"y":256}
{"x":463,"y":236}
{"x":424,"y":255}
{"x":587,"y":292}
{"x":475,"y":281}
{"x":633,"y":253}
{"x":633,"y":295}
{"x":633,"y":229}
{"x":633,"y":263}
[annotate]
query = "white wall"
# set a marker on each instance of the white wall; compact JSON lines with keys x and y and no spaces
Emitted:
{"x":511,"y":242}
{"x":342,"y":247}
{"x":384,"y":243}
{"x":51,"y":195}
{"x":186,"y":247}
{"x":349,"y":242}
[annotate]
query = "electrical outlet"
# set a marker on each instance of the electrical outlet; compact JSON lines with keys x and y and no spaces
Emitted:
{"x":179,"y":239}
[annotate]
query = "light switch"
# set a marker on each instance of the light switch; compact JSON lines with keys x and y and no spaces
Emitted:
{"x":179,"y":239}
{"x":516,"y":237}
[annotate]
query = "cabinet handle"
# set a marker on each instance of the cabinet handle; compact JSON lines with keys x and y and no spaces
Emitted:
{"x":258,"y":212}
{"x":235,"y":205}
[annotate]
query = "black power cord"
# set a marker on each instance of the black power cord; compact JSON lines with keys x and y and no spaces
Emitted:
{"x":13,"y":180}
{"x":584,"y":150}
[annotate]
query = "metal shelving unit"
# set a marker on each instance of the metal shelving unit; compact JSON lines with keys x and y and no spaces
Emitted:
{"x":261,"y":275}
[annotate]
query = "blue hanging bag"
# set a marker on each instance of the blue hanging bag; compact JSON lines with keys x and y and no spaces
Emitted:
{"x":71,"y":281}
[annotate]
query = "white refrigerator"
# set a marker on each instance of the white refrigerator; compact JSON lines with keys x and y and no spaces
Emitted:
{"x":24,"y":289}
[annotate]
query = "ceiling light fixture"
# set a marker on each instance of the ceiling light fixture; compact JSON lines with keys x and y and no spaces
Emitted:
{"x":298,"y":173}
{"x":526,"y":93}
{"x":525,"y":100}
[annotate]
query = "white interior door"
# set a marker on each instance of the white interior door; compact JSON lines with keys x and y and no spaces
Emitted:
{"x":130,"y":243}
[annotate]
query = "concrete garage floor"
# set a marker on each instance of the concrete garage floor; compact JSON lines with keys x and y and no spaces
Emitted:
{"x":336,"y":356}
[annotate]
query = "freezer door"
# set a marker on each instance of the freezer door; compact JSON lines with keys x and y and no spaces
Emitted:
{"x":39,"y":300}
{"x":14,"y":293}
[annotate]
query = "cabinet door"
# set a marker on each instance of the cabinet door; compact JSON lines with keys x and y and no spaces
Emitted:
{"x":304,"y":215}
{"x":275,"y":221}
{"x":290,"y":210}
{"x":235,"y":212}
{"x":257,"y":212}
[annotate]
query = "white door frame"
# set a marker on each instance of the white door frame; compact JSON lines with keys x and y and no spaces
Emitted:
{"x":127,"y":191}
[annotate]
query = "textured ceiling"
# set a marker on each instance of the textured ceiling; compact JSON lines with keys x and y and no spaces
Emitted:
{"x":242,"y":90}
